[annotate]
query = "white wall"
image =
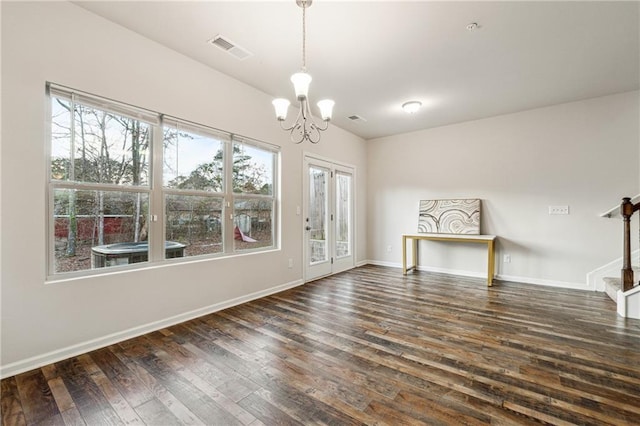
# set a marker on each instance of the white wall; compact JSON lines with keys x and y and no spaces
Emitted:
{"x":582,"y":154}
{"x":62,"y":43}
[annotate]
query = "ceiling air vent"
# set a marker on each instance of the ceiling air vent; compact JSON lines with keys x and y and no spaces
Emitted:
{"x":356,"y":118}
{"x":230,"y":47}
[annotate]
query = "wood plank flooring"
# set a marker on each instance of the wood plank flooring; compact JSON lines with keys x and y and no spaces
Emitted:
{"x":368,"y":346}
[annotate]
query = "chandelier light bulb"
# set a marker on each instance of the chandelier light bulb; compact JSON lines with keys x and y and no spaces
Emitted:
{"x":282,"y":107}
{"x":326,"y":108}
{"x":301,"y":81}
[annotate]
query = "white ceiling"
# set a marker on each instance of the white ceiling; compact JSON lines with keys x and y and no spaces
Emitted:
{"x":371,"y":56}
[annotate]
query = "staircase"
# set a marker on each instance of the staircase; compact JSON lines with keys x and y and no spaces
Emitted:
{"x":625,"y":291}
{"x":611,"y":287}
{"x":613,"y":284}
{"x":628,"y":302}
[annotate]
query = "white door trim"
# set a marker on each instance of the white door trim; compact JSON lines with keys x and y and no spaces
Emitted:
{"x":340,"y":166}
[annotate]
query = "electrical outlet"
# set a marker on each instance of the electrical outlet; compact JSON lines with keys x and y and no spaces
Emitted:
{"x":290,"y":263}
{"x":558,"y":209}
{"x":389,"y":248}
{"x":506,"y":258}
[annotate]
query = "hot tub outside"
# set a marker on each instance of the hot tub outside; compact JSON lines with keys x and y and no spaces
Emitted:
{"x":125,"y":253}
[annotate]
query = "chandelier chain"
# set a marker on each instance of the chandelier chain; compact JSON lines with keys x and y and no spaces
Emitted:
{"x":304,"y":36}
{"x":304,"y":127}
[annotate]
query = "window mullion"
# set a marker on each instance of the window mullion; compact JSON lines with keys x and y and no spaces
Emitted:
{"x":228,"y":196}
{"x":61,"y":184}
{"x":156,"y":210}
{"x":195,"y":192}
{"x":126,"y":177}
{"x":277,"y":201}
{"x":240,"y":195}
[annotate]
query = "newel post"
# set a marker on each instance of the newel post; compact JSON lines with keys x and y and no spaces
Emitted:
{"x":626,"y":210}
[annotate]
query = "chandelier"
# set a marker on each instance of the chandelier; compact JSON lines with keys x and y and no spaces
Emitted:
{"x":304,"y":128}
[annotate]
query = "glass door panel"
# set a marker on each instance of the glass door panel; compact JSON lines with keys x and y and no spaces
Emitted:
{"x":317,"y":221}
{"x":343,"y":214}
{"x":328,"y":223}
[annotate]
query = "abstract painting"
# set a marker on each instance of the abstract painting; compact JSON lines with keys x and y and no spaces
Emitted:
{"x":450,"y":216}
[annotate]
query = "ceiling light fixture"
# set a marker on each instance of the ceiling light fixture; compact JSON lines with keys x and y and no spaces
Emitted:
{"x":304,"y":127}
{"x":473,"y":26}
{"x":411,"y":106}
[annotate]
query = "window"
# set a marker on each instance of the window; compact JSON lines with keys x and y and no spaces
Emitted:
{"x":128,"y":185}
{"x":253,"y":187}
{"x":193,"y":181}
{"x":99,"y":183}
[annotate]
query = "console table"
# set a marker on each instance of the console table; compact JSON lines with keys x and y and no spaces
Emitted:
{"x":489,"y":240}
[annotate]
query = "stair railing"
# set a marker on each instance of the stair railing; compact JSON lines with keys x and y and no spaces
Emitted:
{"x":627,"y":209}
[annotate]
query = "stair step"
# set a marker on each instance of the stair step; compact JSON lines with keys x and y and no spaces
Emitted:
{"x":613,"y":284}
{"x":611,"y":287}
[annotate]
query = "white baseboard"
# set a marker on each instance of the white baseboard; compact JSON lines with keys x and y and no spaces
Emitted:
{"x":482,"y":274}
{"x":539,"y":281}
{"x":462,"y":273}
{"x":93,"y":344}
{"x":473,"y":274}
{"x":383,"y":263}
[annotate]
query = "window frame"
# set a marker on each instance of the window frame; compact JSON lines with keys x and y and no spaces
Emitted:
{"x":274,"y":196}
{"x":154,"y":188}
{"x":224,"y":139}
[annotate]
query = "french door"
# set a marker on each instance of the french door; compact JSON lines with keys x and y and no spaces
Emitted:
{"x":328,"y":218}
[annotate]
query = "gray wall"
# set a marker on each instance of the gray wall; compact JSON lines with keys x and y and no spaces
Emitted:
{"x":581,"y":154}
{"x":62,"y":43}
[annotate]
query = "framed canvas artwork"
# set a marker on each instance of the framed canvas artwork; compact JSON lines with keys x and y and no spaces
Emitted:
{"x":450,"y":216}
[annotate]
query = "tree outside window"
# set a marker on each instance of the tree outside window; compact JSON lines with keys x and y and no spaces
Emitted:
{"x":216,"y":190}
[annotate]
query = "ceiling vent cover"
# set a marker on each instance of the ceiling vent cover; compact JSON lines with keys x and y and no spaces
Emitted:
{"x":230,"y":47}
{"x":356,"y":118}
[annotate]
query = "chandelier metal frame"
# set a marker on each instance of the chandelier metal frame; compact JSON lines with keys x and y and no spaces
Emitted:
{"x":304,"y":127}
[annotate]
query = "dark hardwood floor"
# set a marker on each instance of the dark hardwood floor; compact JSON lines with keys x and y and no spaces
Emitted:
{"x":368,"y":346}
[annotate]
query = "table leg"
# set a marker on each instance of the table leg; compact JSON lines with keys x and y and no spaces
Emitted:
{"x":492,"y":262}
{"x":414,"y":254}
{"x":404,"y":255}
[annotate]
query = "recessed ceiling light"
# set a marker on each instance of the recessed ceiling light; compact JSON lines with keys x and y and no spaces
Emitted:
{"x":473,"y":26}
{"x":411,"y":106}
